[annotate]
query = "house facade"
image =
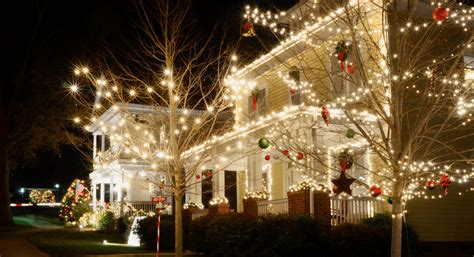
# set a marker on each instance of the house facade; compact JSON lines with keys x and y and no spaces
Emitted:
{"x":279,"y":97}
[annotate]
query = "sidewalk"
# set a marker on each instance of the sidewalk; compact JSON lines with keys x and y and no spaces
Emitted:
{"x":13,"y":241}
{"x":14,"y":244}
{"x":140,"y":255}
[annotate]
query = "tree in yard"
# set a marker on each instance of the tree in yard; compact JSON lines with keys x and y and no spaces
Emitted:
{"x":178,"y":76}
{"x":75,"y":202}
{"x":388,"y":77}
{"x":34,"y":114}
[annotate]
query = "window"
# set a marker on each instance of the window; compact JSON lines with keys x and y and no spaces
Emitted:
{"x":257,"y":103}
{"x":343,"y":83}
{"x":295,"y":93}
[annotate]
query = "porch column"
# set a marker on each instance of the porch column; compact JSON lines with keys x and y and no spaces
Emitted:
{"x":94,"y":154}
{"x":102,"y":145}
{"x":102,"y":194}
{"x":198,"y":191}
{"x":94,"y":196}
{"x":258,"y":172}
{"x":221,"y":183}
{"x":111,"y":192}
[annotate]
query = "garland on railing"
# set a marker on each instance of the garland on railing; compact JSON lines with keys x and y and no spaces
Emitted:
{"x":218,"y":200}
{"x":257,"y":195}
{"x":190,"y":204}
{"x":307,"y":184}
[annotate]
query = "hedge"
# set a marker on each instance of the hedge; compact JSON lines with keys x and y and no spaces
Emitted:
{"x":278,"y":235}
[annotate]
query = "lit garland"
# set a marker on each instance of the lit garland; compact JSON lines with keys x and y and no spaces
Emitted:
{"x":307,"y":184}
{"x":218,"y":200}
{"x":261,"y":195}
{"x":190,"y":204}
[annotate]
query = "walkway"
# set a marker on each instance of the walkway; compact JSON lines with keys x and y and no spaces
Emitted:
{"x":13,"y":241}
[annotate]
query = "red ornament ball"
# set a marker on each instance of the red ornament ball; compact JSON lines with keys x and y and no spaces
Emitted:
{"x":198,"y":176}
{"x":267,"y":157}
{"x":299,"y":155}
{"x":440,"y":13}
{"x":293,"y":90}
{"x":430,"y":184}
{"x":209,"y":174}
{"x":444,"y":180}
{"x":375,"y":191}
{"x":286,"y":152}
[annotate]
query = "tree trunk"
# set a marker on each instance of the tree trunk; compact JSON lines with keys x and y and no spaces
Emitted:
{"x":178,"y":225}
{"x":5,"y":211}
{"x":397,"y":220}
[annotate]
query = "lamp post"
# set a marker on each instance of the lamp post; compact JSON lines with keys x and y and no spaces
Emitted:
{"x":22,"y":192}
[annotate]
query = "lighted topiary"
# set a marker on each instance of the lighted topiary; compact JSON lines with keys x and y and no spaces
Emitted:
{"x":75,"y":202}
{"x":35,"y":196}
{"x":48,"y":197}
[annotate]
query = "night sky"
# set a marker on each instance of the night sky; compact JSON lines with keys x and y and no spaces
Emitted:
{"x":58,"y":34}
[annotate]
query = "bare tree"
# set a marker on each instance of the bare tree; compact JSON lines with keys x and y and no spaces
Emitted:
{"x":177,"y":74}
{"x":386,"y":77}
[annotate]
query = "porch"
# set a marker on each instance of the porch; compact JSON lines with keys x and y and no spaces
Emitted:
{"x":342,"y":210}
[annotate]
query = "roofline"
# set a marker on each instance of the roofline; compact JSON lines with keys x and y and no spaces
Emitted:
{"x":134,"y":108}
{"x":285,"y":46}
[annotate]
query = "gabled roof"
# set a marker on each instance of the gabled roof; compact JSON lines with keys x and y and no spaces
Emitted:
{"x":291,"y":47}
{"x":113,"y":113}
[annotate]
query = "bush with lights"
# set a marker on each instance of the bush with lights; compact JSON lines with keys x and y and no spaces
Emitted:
{"x":71,"y":210}
{"x":35,"y":196}
{"x":48,"y":197}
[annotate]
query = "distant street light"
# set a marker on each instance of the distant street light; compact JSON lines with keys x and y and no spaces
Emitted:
{"x":22,"y":190}
{"x":56,"y":185}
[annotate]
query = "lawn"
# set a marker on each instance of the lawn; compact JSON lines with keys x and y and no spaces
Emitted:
{"x":72,"y":242}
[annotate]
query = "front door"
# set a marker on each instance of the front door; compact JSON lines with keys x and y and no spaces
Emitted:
{"x":231,"y":188}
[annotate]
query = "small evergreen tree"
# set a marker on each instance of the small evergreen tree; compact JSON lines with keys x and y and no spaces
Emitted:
{"x":72,"y":206}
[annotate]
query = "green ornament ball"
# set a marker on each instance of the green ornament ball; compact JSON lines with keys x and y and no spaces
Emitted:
{"x":263,"y":143}
{"x":350,"y":133}
{"x":389,"y":200}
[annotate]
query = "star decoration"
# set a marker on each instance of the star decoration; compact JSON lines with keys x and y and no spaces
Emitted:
{"x":342,"y":184}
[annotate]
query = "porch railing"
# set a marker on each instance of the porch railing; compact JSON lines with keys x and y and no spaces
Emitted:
{"x":146,"y":206}
{"x":199,"y":213}
{"x":276,"y":206}
{"x":342,"y":210}
{"x":354,"y":210}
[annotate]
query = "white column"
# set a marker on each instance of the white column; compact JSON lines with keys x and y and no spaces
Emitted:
{"x":94,"y":196}
{"x":102,"y":146}
{"x":221,"y":183}
{"x":111,"y":198}
{"x":94,"y":154}
{"x":102,"y":194}
{"x":198,"y":190}
{"x":258,"y":172}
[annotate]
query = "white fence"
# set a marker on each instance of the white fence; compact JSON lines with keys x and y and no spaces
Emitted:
{"x":342,"y":210}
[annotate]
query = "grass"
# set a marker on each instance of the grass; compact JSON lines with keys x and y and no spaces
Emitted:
{"x":72,"y":242}
{"x":34,"y":220}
